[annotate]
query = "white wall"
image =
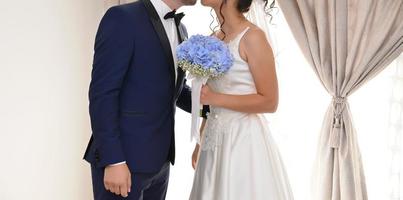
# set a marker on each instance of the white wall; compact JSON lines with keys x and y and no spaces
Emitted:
{"x":45,"y":61}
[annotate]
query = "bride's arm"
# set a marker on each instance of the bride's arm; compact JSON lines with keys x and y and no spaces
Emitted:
{"x":256,"y":50}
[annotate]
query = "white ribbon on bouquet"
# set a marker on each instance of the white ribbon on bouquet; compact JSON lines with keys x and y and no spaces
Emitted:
{"x":197,"y":84}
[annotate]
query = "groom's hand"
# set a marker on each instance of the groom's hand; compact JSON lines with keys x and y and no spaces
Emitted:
{"x":117,"y":179}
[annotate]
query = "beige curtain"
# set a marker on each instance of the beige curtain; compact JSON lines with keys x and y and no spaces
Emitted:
{"x":347,"y":42}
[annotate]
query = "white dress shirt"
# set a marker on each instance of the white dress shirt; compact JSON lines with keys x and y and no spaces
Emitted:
{"x":170,"y":28}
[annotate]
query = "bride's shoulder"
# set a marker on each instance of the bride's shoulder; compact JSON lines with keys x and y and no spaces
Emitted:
{"x":254,"y":41}
{"x":254,"y":35}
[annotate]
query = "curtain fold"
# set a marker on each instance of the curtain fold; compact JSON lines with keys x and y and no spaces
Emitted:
{"x":347,"y":42}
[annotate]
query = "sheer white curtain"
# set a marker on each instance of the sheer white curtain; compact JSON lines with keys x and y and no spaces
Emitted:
{"x":396,"y":132}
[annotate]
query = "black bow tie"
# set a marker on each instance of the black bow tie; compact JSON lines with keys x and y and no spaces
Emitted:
{"x":176,"y":16}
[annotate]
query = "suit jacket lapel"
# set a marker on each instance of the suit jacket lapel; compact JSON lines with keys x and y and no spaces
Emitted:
{"x":160,"y":30}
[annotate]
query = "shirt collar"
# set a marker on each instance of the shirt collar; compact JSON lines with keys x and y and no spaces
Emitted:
{"x":161,"y":7}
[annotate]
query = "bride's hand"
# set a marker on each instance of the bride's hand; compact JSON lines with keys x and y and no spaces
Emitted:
{"x":208,"y":96}
{"x":195,"y":155}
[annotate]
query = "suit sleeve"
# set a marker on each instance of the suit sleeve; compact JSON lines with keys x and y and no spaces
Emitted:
{"x":113,"y":51}
{"x":185,"y":98}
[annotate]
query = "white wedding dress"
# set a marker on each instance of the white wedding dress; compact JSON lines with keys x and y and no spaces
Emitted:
{"x":239,"y":159}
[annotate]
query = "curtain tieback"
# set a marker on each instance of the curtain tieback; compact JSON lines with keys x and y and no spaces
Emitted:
{"x":339,"y":103}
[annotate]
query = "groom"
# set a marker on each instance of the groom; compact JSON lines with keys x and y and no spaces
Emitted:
{"x":134,"y":91}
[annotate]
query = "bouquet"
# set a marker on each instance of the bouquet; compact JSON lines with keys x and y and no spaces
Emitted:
{"x":203,"y":57}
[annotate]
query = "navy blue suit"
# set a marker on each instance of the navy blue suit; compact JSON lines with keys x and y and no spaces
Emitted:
{"x":133,"y":95}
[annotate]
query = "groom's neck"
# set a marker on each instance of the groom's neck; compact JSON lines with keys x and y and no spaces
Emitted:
{"x":173,"y":4}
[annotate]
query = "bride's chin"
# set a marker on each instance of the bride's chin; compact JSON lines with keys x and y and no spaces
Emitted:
{"x":204,"y":3}
{"x":207,"y":3}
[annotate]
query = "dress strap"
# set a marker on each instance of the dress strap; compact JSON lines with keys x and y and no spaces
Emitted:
{"x":240,"y":36}
{"x":244,"y":32}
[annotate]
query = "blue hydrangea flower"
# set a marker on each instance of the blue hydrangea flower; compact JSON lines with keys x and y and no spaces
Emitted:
{"x":204,"y":56}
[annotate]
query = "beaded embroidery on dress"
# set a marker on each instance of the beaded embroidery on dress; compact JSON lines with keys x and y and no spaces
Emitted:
{"x":239,"y":159}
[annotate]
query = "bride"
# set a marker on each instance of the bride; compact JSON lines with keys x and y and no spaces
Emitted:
{"x":237,"y":158}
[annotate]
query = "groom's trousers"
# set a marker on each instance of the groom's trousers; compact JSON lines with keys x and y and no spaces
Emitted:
{"x":145,"y":186}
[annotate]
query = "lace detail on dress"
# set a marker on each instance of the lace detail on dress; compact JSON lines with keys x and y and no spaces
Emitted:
{"x":213,"y":132}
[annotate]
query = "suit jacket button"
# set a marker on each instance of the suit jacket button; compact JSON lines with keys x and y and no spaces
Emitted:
{"x":97,"y":158}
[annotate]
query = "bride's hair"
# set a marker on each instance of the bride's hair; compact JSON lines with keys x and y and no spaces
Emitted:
{"x":243,"y":6}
